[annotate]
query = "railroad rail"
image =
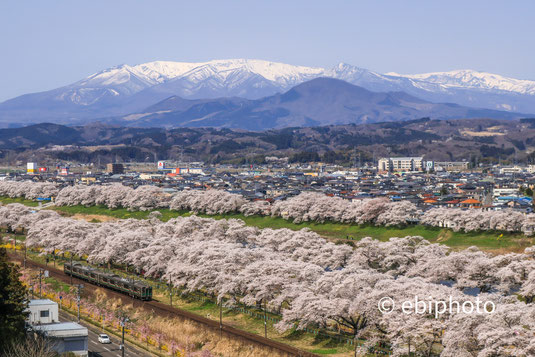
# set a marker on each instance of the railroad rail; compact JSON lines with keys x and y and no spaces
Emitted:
{"x":169,"y":311}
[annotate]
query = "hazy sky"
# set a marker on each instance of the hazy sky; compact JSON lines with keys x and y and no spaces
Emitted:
{"x":47,"y":44}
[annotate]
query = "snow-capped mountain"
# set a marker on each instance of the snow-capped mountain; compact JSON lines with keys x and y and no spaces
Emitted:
{"x":226,"y":78}
{"x":318,"y":102}
{"x":126,"y":89}
{"x":473,"y":88}
{"x":221,"y":76}
{"x":466,"y":79}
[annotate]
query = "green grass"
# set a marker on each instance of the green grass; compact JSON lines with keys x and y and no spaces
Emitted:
{"x":8,"y":237}
{"x":329,"y":351}
{"x":58,"y":285}
{"x":120,"y":213}
{"x":488,"y":240}
{"x":7,"y":200}
{"x":333,"y":230}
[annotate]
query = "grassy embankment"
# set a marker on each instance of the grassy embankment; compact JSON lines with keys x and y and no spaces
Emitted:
{"x":489,"y":240}
{"x":8,"y":200}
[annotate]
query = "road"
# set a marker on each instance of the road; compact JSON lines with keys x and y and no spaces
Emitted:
{"x":165,"y":310}
{"x":105,"y":350}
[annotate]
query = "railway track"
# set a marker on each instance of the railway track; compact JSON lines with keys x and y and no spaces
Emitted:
{"x":168,"y":311}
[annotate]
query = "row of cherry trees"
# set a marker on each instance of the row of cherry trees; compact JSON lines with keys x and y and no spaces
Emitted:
{"x":317,"y":283}
{"x":28,"y":189}
{"x":307,"y":206}
{"x":478,"y":220}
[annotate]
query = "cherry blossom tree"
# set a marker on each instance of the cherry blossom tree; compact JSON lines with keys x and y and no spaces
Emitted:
{"x":315,"y":283}
{"x":209,"y":201}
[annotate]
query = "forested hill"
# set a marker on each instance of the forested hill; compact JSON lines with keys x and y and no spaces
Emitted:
{"x":476,"y":139}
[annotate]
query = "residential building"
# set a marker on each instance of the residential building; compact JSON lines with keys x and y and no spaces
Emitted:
{"x":42,"y":311}
{"x":452,"y":165}
{"x":406,"y":164}
{"x":65,"y":337}
{"x":62,"y":337}
{"x":501,"y":192}
{"x":115,"y":169}
{"x":511,"y":170}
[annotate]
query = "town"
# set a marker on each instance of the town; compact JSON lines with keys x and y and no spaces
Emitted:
{"x":267,"y":178}
{"x":425,"y":183}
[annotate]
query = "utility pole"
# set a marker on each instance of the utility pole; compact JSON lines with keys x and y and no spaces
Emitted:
{"x":80,"y":287}
{"x":40,"y":275}
{"x":25,"y":253}
{"x":71,"y":269}
{"x":221,"y":318}
{"x":124,"y":320}
{"x":170,"y":293}
{"x":265,"y":318}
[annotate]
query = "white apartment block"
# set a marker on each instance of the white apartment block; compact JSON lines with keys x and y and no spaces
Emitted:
{"x":511,"y":170}
{"x":401,"y":164}
{"x":452,"y":165}
{"x":502,"y":192}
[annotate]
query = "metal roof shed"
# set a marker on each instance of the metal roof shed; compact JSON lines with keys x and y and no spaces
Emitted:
{"x":65,"y":337}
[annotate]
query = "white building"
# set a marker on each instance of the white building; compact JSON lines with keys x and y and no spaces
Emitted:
{"x":31,"y":168}
{"x":65,"y":337}
{"x":511,"y":170}
{"x":452,"y":165}
{"x":43,"y":311}
{"x":407,"y":164}
{"x":150,"y":176}
{"x":189,"y":170}
{"x":61,"y":336}
{"x":503,"y":192}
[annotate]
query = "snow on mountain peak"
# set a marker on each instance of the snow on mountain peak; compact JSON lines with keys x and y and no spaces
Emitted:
{"x":161,"y":71}
{"x":467,"y":78}
{"x":254,"y":78}
{"x":285,"y":75}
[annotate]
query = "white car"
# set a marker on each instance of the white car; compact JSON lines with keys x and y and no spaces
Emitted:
{"x":103,"y":338}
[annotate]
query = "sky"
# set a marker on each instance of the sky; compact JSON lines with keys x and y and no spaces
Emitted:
{"x":48,"y":44}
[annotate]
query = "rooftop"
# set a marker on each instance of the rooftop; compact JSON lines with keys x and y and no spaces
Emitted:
{"x":62,"y":329}
{"x":37,"y":302}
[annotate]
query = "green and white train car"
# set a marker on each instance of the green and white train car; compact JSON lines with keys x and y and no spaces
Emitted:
{"x":132,"y":288}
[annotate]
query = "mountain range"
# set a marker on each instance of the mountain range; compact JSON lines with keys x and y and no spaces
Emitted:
{"x":482,"y":140}
{"x":259,"y":91}
{"x":320,"y":101}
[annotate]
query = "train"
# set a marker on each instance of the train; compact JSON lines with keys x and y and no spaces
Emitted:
{"x":132,"y":288}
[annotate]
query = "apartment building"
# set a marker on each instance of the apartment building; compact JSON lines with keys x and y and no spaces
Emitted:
{"x":410,"y":164}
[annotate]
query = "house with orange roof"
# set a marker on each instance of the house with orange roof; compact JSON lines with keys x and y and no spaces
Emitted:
{"x":471,"y":203}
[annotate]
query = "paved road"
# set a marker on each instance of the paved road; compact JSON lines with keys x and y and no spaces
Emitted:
{"x":105,"y":350}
